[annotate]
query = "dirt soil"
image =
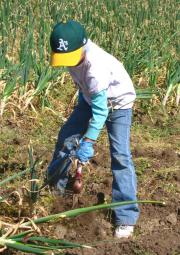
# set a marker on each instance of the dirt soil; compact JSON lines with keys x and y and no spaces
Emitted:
{"x":157,"y":162}
{"x":158,"y":228}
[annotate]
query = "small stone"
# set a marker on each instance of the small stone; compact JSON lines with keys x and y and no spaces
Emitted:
{"x":172,"y":218}
{"x":162,"y":223}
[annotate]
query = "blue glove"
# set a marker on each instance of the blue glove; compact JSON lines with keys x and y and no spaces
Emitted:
{"x":85,"y":151}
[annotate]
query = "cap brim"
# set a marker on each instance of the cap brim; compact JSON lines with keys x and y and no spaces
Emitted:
{"x":66,"y":59}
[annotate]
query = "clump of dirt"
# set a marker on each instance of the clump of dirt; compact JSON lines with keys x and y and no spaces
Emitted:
{"x":168,"y":154}
{"x":157,"y":231}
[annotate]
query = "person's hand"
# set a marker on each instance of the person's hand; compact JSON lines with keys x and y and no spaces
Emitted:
{"x":85,"y":151}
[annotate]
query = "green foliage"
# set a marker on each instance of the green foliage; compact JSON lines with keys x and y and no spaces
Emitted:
{"x":142,"y":164}
{"x":10,"y":178}
{"x":79,"y":211}
{"x":34,"y":185}
{"x":143,"y":35}
{"x":41,"y":245}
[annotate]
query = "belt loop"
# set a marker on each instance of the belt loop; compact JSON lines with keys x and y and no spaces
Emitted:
{"x":111,"y":106}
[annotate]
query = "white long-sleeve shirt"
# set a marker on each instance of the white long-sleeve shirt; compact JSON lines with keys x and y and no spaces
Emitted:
{"x":104,"y":83}
{"x":101,"y":71}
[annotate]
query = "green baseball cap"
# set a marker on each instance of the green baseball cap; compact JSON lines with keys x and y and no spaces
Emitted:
{"x":67,"y":41}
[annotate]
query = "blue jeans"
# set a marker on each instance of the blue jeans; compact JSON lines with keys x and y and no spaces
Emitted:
{"x":124,"y":185}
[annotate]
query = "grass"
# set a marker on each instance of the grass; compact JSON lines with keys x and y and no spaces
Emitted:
{"x":141,"y":252}
{"x":142,"y":165}
{"x":35,"y":100}
{"x":143,"y":36}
